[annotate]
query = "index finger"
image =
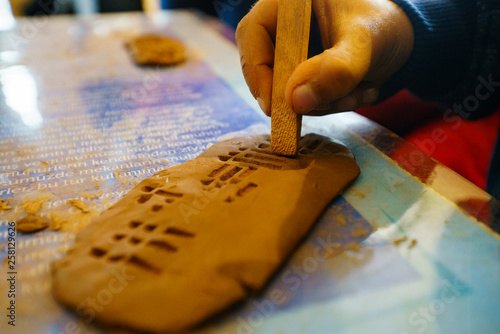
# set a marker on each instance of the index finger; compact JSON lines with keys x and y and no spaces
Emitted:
{"x":255,"y":37}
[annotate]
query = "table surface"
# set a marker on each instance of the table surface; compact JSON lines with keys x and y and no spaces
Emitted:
{"x":78,"y":120}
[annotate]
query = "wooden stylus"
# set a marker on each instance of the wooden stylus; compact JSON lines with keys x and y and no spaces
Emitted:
{"x":292,"y":41}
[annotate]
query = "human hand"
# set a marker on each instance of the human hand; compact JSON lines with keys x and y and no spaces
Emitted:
{"x":365,"y":42}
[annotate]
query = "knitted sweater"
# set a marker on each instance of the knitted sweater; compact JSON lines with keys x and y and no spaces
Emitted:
{"x":455,"y":61}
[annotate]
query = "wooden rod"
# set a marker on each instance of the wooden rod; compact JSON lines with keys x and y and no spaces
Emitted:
{"x":292,"y":43}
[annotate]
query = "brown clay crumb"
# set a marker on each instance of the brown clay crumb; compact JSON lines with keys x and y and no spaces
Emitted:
{"x":400,"y":240}
{"x":4,"y":205}
{"x":359,"y":231}
{"x":30,"y":224}
{"x":32,"y":206}
{"x":79,"y":205}
{"x":96,"y":194}
{"x":412,"y":243}
{"x":341,"y":219}
{"x":56,"y":222}
{"x":353,"y":246}
{"x":357,"y":192}
{"x":156,"y":50}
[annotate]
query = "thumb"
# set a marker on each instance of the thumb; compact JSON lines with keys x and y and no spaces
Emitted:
{"x":330,"y":75}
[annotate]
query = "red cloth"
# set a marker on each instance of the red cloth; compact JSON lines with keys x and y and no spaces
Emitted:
{"x":464,"y":146}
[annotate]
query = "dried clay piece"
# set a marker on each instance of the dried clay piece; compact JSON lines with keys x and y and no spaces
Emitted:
{"x":197,"y":237}
{"x":156,"y":50}
{"x":4,"y":205}
{"x":79,"y":205}
{"x":30,"y":224}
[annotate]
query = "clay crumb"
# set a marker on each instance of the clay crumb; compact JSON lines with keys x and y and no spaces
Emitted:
{"x":359,"y":231}
{"x":156,"y":50}
{"x":357,"y":192}
{"x":32,"y":206}
{"x":4,"y":205}
{"x":341,"y":219}
{"x":352,"y":246}
{"x":412,"y":243}
{"x":79,"y":205}
{"x":93,"y":195}
{"x":30,"y":224}
{"x":57,"y":223}
{"x":400,"y":240}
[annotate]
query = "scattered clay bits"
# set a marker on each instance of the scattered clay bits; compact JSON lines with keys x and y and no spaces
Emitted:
{"x":79,"y":205}
{"x":400,"y":240}
{"x":195,"y":238}
{"x":31,"y":224}
{"x":353,"y":246}
{"x":32,"y":206}
{"x":56,"y":222}
{"x":156,"y":50}
{"x":4,"y":205}
{"x":357,"y":192}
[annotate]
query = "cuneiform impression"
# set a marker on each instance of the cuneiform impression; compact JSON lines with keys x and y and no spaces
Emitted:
{"x":195,"y":238}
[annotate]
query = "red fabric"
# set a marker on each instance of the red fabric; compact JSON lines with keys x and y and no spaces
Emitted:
{"x":464,"y":146}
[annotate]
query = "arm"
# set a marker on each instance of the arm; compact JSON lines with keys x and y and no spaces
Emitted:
{"x":365,"y":43}
{"x":456,"y":55}
{"x":436,"y":48}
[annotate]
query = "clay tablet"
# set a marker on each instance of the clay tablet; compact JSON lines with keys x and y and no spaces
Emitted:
{"x":156,"y":50}
{"x":195,"y":238}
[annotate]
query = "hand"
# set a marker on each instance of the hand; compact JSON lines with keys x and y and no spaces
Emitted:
{"x":365,"y":42}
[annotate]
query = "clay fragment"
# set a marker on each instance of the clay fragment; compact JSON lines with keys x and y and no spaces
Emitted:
{"x":195,"y":238}
{"x":79,"y":205}
{"x":31,"y":224}
{"x":4,"y":205}
{"x":156,"y":50}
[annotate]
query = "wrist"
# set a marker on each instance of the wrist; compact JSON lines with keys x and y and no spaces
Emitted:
{"x":396,"y":38}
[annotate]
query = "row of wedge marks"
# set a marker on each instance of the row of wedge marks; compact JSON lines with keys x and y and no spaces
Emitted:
{"x":257,"y":160}
{"x":241,"y":192}
{"x":151,"y":227}
{"x":159,"y":244}
{"x":256,"y":157}
{"x":135,"y":240}
{"x":170,"y":196}
{"x":132,"y":259}
{"x":257,"y":163}
{"x":233,"y":175}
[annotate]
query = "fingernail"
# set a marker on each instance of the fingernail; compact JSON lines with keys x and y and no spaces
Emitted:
{"x":304,"y":99}
{"x":262,"y":105}
{"x":369,"y":96}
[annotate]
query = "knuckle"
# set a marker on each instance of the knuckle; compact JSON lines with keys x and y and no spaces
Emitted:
{"x":241,"y":28}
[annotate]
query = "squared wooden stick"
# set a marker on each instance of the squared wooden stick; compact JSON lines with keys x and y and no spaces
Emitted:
{"x":292,"y":43}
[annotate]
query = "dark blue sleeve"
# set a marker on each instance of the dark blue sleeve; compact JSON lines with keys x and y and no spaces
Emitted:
{"x":456,"y":50}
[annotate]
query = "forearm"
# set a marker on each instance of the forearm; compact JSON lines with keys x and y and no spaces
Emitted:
{"x":455,"y":51}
